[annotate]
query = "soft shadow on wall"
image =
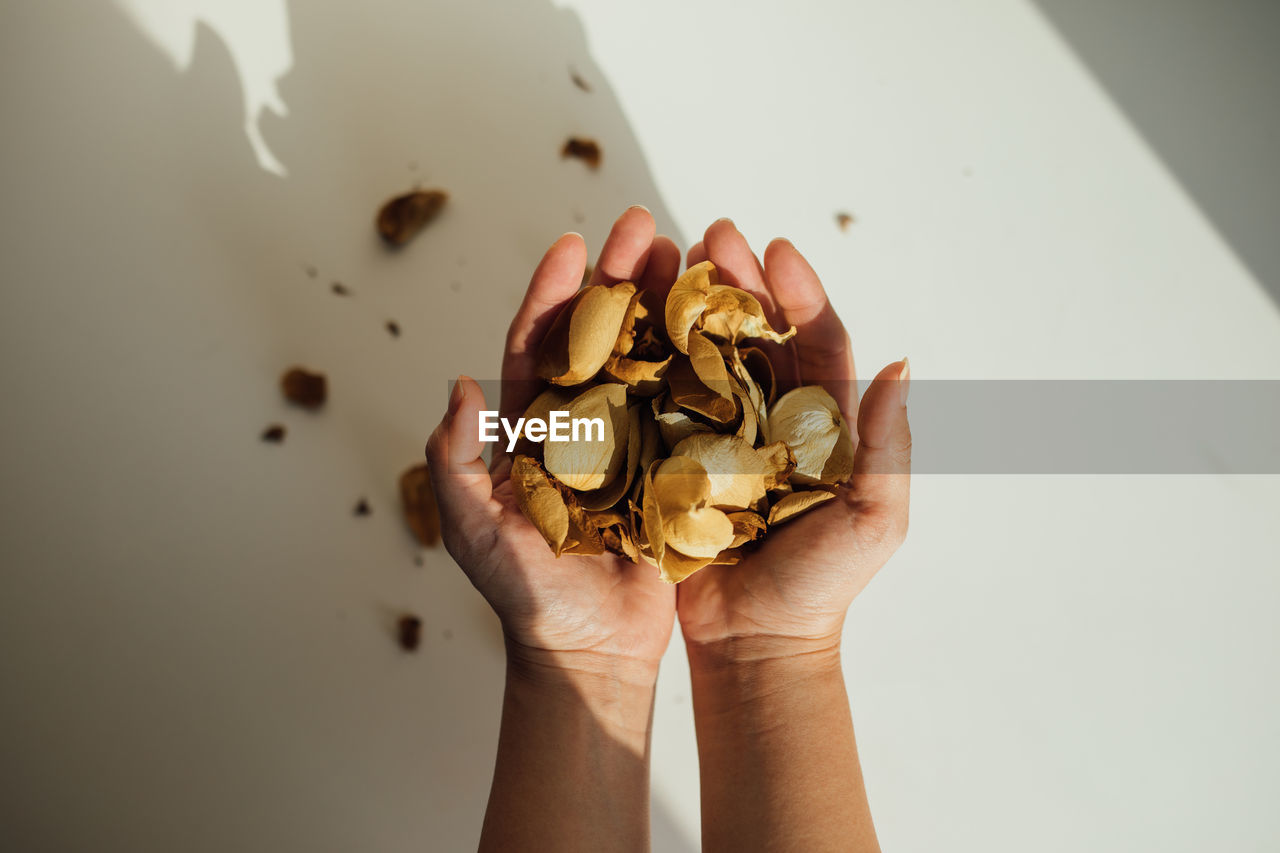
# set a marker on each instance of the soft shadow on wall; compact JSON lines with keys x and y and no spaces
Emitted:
{"x":219,"y":673}
{"x":1198,"y":80}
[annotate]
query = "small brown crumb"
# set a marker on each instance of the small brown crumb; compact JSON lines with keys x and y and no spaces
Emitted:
{"x":418,"y":561}
{"x":578,"y":216}
{"x":409,"y":632}
{"x":586,"y":150}
{"x":394,"y":328}
{"x":401,"y":218}
{"x":419,"y":501}
{"x":578,"y":81}
{"x":274,"y":433}
{"x":304,"y":388}
{"x":362,"y":508}
{"x":587,"y":273}
{"x":339,"y":289}
{"x":310,"y":270}
{"x":844,"y":220}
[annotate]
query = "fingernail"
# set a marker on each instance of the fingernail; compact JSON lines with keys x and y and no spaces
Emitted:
{"x":639,"y":207}
{"x":905,"y":379}
{"x":457,"y":395}
{"x":572,"y":234}
{"x":724,"y":219}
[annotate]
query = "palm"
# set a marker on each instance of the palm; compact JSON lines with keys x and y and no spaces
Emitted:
{"x":801,"y":579}
{"x":602,"y":603}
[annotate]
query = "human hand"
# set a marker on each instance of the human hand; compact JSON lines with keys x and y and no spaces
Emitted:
{"x":791,"y":594}
{"x":595,"y":614}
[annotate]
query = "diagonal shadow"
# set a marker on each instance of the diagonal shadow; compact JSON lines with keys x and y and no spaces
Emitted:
{"x":1198,"y":81}
{"x":221,"y":676}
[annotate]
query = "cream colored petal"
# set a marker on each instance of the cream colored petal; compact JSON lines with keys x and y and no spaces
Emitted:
{"x":810,"y":423}
{"x":540,"y":501}
{"x":609,"y":494}
{"x":738,"y":474}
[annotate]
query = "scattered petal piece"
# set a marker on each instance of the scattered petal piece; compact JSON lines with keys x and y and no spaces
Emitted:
{"x":362,"y":508}
{"x":844,"y":220}
{"x":409,"y":632}
{"x":419,"y":501}
{"x":274,"y":433}
{"x":586,"y":150}
{"x":401,"y":218}
{"x":304,"y":388}
{"x":393,"y":328}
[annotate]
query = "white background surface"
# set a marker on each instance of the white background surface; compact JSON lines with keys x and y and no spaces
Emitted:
{"x":195,"y":645}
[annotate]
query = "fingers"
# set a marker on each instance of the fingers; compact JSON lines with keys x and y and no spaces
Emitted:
{"x":463,"y":489}
{"x":697,"y":254}
{"x":554,"y":282}
{"x":627,"y":248}
{"x":822,"y":350}
{"x":662,"y":267}
{"x":737,"y":264}
{"x":880,"y":490}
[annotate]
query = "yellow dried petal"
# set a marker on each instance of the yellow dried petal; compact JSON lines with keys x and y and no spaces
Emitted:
{"x":540,"y":501}
{"x":609,"y":494}
{"x":738,"y":475}
{"x":585,"y":333}
{"x":796,"y":503}
{"x":686,"y":302}
{"x":586,"y":465}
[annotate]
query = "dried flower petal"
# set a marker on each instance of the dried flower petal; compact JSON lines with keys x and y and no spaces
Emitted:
{"x":697,"y":300}
{"x":401,"y":218}
{"x":586,"y":150}
{"x":809,"y":421}
{"x":796,"y":503}
{"x":738,"y":474}
{"x":419,"y":501}
{"x":585,"y":465}
{"x":304,"y":388}
{"x":584,"y":333}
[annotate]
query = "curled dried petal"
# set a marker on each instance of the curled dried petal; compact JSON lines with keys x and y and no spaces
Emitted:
{"x":584,"y":333}
{"x":809,"y":421}
{"x":796,"y":503}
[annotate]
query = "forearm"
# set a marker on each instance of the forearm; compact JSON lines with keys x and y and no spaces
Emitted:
{"x":572,"y":771}
{"x":779,"y":766}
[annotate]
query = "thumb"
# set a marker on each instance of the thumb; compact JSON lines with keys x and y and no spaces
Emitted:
{"x":463,"y":488}
{"x":880,"y":490}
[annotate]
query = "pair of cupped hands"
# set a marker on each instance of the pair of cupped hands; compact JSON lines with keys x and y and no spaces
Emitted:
{"x":608,"y":615}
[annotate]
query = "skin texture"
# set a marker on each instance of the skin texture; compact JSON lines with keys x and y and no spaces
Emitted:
{"x":584,"y":635}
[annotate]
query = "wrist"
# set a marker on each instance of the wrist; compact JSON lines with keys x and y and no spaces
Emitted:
{"x":736,"y":671}
{"x":616,"y":692}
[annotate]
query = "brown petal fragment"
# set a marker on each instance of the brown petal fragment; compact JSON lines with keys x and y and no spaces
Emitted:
{"x":274,"y":433}
{"x":584,"y":333}
{"x":684,"y":378}
{"x":796,"y":503}
{"x":304,"y":388}
{"x":401,"y":218}
{"x":419,"y":501}
{"x":586,"y":150}
{"x":409,"y":632}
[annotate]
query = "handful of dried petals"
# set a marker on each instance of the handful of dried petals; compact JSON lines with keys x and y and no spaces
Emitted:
{"x":699,"y":456}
